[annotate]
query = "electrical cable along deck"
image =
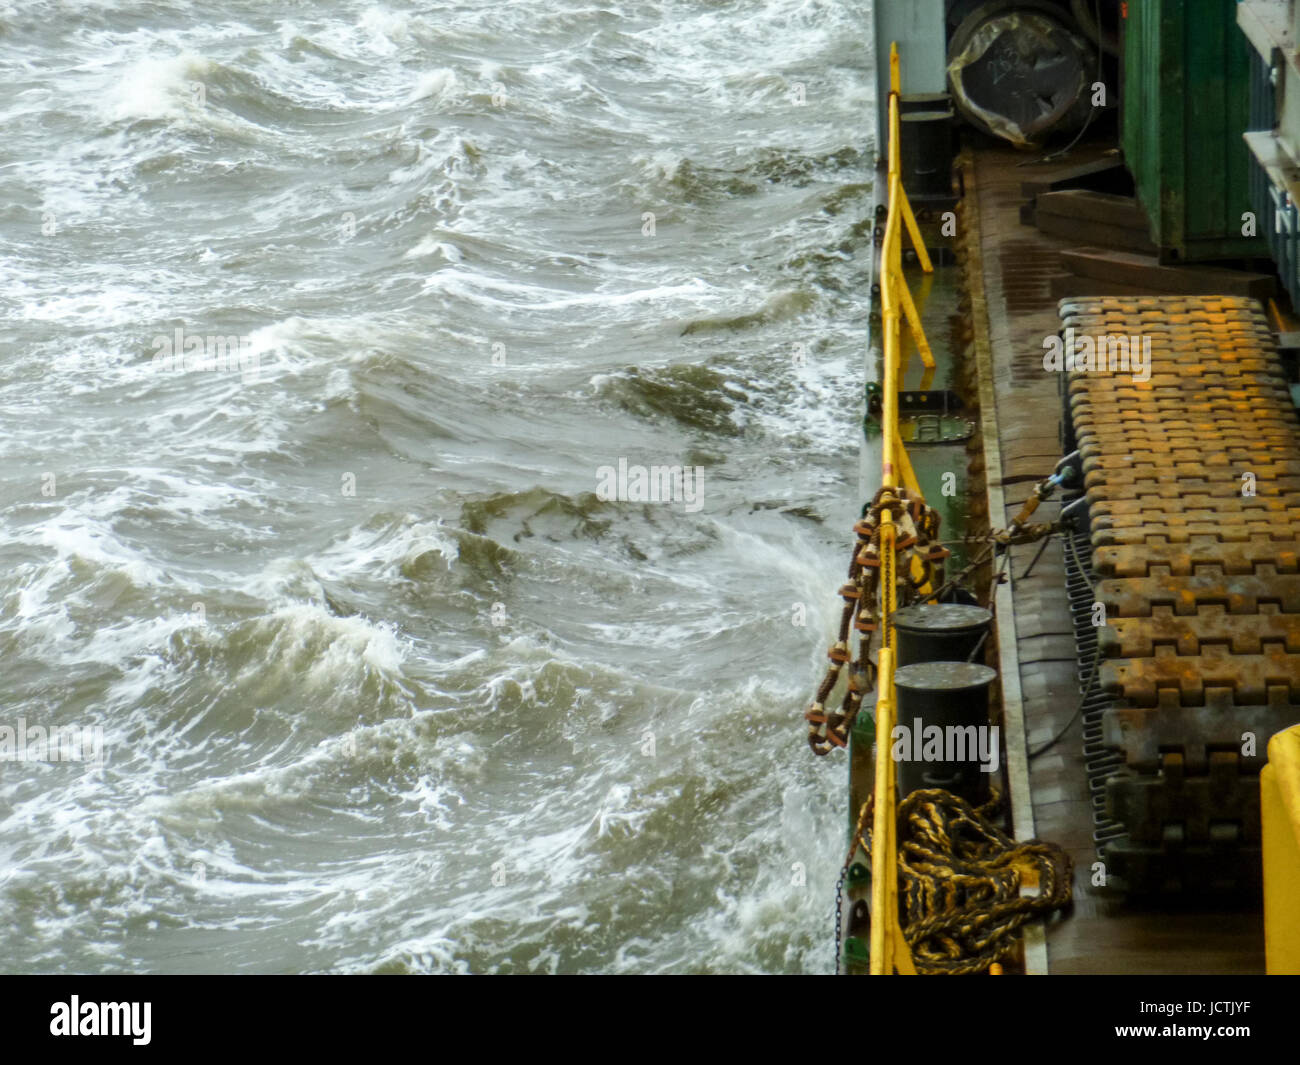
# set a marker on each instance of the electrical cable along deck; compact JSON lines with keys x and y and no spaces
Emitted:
{"x":1193,"y":494}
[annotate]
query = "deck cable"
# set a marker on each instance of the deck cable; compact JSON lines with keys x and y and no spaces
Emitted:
{"x":1087,"y":684}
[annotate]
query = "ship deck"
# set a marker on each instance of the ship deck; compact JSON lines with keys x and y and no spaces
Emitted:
{"x":1008,"y":272}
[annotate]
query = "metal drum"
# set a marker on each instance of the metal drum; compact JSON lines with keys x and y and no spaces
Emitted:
{"x":939,"y":632}
{"x":950,"y":701}
{"x":1018,"y":71}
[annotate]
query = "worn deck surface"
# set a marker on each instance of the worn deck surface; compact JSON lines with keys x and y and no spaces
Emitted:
{"x":1104,"y":933}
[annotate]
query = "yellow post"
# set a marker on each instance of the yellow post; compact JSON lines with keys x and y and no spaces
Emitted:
{"x":884,"y":897}
{"x":896,"y":173}
{"x":889,"y":386}
{"x":914,"y":232}
{"x":889,"y":950}
{"x":914,"y":323}
{"x":907,"y":474}
{"x":1279,"y":792}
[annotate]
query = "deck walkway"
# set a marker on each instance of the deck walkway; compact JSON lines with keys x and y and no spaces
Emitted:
{"x":1014,"y":311}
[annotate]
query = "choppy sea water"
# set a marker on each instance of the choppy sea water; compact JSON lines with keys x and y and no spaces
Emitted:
{"x":383,"y":683}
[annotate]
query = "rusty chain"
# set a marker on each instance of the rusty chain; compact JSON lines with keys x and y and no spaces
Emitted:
{"x":919,"y":560}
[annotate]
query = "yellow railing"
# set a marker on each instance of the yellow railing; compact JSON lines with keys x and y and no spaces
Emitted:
{"x":889,"y":951}
{"x":1279,"y":786}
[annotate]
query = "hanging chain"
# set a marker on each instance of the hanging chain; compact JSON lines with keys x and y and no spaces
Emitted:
{"x":918,"y":558}
{"x":854,"y":842}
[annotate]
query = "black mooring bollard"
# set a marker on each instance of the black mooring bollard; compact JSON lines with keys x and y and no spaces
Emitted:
{"x":943,"y":738}
{"x":939,"y":632}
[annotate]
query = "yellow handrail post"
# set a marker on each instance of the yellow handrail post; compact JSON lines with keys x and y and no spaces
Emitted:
{"x":895,"y":170}
{"x":891,"y":252}
{"x":902,"y":953}
{"x":914,"y":323}
{"x":914,"y":232}
{"x":889,"y":949}
{"x":884,"y":890}
{"x":906,"y":474}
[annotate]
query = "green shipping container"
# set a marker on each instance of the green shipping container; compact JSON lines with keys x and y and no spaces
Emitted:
{"x":1185,"y":106}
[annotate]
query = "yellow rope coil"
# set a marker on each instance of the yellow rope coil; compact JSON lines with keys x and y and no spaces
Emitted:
{"x":960,"y":879}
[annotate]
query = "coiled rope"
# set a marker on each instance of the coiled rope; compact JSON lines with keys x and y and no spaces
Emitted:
{"x":959,"y":881}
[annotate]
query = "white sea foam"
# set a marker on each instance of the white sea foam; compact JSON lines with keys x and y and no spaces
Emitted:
{"x":435,"y":84}
{"x":432,"y":743}
{"x":156,"y":88}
